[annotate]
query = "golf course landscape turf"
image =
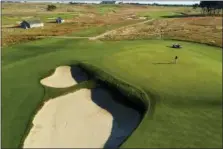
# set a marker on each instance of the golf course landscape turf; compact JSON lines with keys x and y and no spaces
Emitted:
{"x":187,"y":95}
{"x":83,"y":114}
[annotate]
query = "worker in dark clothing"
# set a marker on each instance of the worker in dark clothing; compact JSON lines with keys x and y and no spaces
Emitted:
{"x":175,"y":60}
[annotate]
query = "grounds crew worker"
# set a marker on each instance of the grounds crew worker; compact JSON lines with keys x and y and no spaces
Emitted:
{"x":175,"y":60}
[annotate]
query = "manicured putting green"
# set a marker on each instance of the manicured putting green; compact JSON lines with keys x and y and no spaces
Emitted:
{"x":189,"y":94}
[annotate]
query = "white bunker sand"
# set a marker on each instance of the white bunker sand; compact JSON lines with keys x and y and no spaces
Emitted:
{"x":82,"y":119}
{"x":62,"y":77}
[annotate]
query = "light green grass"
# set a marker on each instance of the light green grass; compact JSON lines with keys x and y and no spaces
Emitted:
{"x":161,"y":12}
{"x":44,"y":17}
{"x":8,"y":20}
{"x":106,"y":8}
{"x":189,"y":94}
{"x":88,"y":32}
{"x":96,"y":30}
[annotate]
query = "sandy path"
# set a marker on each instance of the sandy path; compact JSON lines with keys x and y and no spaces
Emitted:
{"x":86,"y":118}
{"x":111,"y":31}
{"x":63,"y":77}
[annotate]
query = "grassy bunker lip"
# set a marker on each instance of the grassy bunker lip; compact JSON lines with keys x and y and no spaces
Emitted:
{"x":63,"y":77}
{"x":135,"y":97}
{"x":118,"y":95}
{"x":119,"y":86}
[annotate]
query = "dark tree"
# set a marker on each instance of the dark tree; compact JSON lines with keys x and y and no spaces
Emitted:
{"x":211,"y":7}
{"x":51,"y":7}
{"x":107,"y":2}
{"x":195,"y":6}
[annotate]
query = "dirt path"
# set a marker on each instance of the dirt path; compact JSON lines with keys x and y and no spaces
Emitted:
{"x":111,"y":31}
{"x":98,"y":36}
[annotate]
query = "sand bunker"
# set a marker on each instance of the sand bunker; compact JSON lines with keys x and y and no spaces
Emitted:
{"x":85,"y":118}
{"x":64,"y":77}
{"x":88,"y":118}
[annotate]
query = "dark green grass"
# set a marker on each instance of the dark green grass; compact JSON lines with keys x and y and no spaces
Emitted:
{"x":188,"y":111}
{"x":157,"y":14}
{"x":52,"y":92}
{"x":106,"y":8}
{"x":133,"y":94}
{"x":162,"y":12}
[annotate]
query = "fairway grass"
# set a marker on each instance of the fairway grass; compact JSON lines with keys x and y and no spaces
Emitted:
{"x":188,"y":112}
{"x":107,"y":8}
{"x":93,"y":31}
{"x":161,"y":12}
{"x":158,"y":14}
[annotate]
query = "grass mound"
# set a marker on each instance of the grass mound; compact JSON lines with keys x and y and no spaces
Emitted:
{"x":188,"y":95}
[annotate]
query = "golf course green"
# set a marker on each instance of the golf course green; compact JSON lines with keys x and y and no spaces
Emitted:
{"x":188,"y":95}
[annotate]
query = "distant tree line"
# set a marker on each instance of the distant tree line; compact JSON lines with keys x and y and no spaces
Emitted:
{"x":107,"y":2}
{"x":135,"y":3}
{"x":156,"y":4}
{"x":102,"y":2}
{"x":9,"y":1}
{"x":210,"y":7}
{"x":73,"y":3}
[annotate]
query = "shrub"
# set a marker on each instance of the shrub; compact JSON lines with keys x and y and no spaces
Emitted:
{"x":51,"y":7}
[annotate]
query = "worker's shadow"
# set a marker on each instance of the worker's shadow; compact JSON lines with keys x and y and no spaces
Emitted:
{"x":174,"y":47}
{"x":163,"y":63}
{"x":53,"y":22}
{"x":169,"y":46}
{"x":14,"y":27}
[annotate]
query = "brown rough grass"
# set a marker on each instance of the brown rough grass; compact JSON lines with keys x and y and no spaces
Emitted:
{"x":197,"y":29}
{"x":88,"y":16}
{"x":206,"y":30}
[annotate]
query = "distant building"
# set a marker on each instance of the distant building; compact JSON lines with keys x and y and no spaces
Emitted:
{"x":31,"y":24}
{"x":59,"y":20}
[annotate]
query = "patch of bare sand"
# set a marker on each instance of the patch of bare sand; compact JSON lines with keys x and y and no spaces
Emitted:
{"x":63,"y":77}
{"x":85,"y":118}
